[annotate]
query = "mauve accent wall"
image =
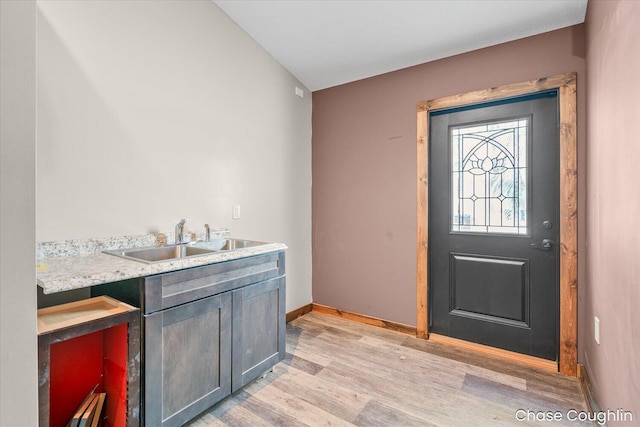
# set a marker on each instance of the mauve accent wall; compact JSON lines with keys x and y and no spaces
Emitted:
{"x":364,"y":167}
{"x":613,"y":205}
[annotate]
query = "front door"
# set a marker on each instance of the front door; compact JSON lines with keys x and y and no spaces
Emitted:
{"x":493,"y":224}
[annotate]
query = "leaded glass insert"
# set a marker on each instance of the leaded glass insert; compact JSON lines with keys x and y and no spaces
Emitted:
{"x":489,"y":177}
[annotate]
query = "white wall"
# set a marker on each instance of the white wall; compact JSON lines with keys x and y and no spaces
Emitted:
{"x":152,"y":111}
{"x":18,"y":344}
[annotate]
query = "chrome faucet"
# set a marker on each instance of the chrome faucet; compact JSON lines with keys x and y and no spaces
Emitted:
{"x":207,"y":233}
{"x":180,"y":231}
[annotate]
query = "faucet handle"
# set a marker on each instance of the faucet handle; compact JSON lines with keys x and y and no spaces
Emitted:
{"x":208,"y":232}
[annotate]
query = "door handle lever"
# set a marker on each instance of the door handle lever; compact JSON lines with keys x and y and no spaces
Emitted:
{"x":545,"y":245}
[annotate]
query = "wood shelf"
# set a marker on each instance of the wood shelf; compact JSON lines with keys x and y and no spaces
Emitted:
{"x":78,"y":312}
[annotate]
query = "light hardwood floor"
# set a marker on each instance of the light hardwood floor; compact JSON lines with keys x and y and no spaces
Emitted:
{"x":343,"y":373}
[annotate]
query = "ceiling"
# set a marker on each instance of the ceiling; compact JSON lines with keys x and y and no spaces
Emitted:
{"x":326,"y":43}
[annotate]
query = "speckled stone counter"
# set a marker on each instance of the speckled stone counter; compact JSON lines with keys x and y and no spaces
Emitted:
{"x":75,"y":264}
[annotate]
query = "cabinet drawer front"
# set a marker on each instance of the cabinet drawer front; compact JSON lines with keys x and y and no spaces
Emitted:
{"x":187,"y":360}
{"x":171,"y":289}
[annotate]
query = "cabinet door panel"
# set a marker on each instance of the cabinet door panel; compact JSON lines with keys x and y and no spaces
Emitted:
{"x":258,"y":330}
{"x":187,"y":360}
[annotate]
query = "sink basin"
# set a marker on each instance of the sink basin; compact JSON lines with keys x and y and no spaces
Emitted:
{"x":228,"y":244}
{"x":161,"y":253}
{"x":173,"y":252}
{"x":240,"y":244}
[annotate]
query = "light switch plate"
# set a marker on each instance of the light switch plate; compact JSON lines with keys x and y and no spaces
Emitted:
{"x":236,"y":212}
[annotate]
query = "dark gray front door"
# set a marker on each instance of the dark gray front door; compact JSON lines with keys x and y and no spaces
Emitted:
{"x":493,"y":224}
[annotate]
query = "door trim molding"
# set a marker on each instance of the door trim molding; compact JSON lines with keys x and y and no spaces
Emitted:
{"x":566,"y":85}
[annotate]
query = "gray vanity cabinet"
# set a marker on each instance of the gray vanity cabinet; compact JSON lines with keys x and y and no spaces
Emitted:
{"x":206,"y":332}
{"x":187,"y":360}
{"x":258,"y":330}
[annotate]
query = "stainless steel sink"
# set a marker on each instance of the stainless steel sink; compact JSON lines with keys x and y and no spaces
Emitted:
{"x":228,"y":244}
{"x":151,"y":255}
{"x":239,"y":244}
{"x":161,"y":253}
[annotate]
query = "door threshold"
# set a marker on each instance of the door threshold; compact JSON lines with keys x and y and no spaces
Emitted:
{"x":525,"y":359}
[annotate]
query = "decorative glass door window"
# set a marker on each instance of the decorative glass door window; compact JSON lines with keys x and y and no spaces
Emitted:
{"x":489,"y":177}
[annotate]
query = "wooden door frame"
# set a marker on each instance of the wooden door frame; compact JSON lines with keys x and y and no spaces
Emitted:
{"x":566,"y":85}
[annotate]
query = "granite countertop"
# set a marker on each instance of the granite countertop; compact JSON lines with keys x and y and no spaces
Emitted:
{"x":75,"y":264}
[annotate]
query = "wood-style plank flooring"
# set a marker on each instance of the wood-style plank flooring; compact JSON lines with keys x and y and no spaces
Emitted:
{"x":343,"y":373}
